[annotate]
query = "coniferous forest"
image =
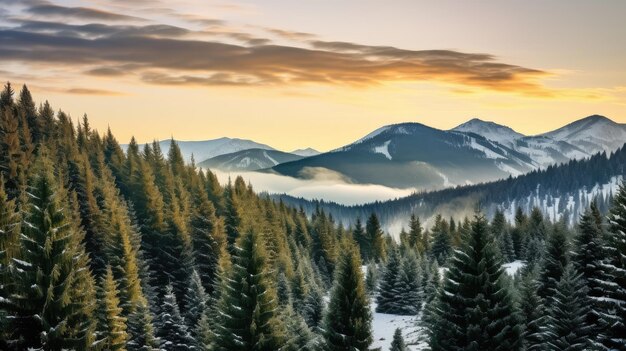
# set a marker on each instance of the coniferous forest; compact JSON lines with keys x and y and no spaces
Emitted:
{"x":105,"y":249}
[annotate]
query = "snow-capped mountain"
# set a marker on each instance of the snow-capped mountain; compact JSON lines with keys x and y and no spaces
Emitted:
{"x":592,"y":134}
{"x":577,"y":140}
{"x":248,"y":160}
{"x":205,"y":149}
{"x":415,"y":155}
{"x":491,"y":131}
{"x":308,"y":152}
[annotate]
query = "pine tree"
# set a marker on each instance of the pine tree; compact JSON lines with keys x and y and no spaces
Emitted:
{"x":388,"y":297}
{"x":347,"y":323}
{"x":313,"y":311}
{"x":567,"y":328}
{"x":196,"y":301}
{"x":613,"y":284}
{"x":415,"y":234}
{"x":141,"y":330}
{"x":555,"y":260}
{"x":475,"y":310}
{"x":587,"y":260}
{"x":375,"y":234}
{"x":54,"y":292}
{"x":111,"y":324}
{"x":532,"y":314}
{"x":397,"y":344}
{"x":442,"y":242}
{"x":408,"y":286}
{"x":170,"y":326}
{"x":247,"y":307}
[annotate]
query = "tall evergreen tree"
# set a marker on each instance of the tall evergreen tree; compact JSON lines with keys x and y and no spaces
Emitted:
{"x":375,"y":234}
{"x":532,"y":313}
{"x":475,"y":309}
{"x":442,"y":242}
{"x":415,"y":234}
{"x":567,"y":328}
{"x":52,"y":305}
{"x":170,"y":325}
{"x":555,"y":260}
{"x":347,"y":323}
{"x":111,"y":323}
{"x":141,"y":330}
{"x":248,"y":309}
{"x":613,"y":284}
{"x":388,"y":298}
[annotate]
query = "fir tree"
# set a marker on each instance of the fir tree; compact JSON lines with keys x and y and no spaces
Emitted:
{"x":397,"y":344}
{"x":567,"y":328}
{"x":196,"y":301}
{"x":388,"y":298}
{"x":408,"y":286}
{"x":375,"y":234}
{"x":613,"y":284}
{"x":248,"y":303}
{"x":442,"y":242}
{"x":371,"y":278}
{"x":298,"y":335}
{"x":111,"y":323}
{"x":347,"y":323}
{"x":170,"y":326}
{"x":555,"y":260}
{"x":532,"y":314}
{"x":141,"y":330}
{"x":313,"y":311}
{"x":52,"y":305}
{"x":415,"y":233}
{"x":475,"y":309}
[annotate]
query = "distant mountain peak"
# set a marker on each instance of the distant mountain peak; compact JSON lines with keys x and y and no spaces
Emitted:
{"x":489,"y":130}
{"x":306,"y":152}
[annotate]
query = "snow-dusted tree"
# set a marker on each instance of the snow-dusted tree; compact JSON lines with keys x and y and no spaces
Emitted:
{"x":298,"y":336}
{"x":141,"y":330}
{"x":371,"y":278}
{"x":408,"y":286}
{"x":475,"y":309}
{"x":53,"y":301}
{"x":613,"y":284}
{"x":347,"y":323}
{"x":567,"y":328}
{"x":170,"y":325}
{"x":248,"y":308}
{"x":313,"y":311}
{"x":388,"y":297}
{"x":397,"y":344}
{"x":554,"y":262}
{"x":532,"y":313}
{"x":195,"y":302}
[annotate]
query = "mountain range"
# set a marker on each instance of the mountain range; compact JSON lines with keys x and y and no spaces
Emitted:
{"x":414,"y":155}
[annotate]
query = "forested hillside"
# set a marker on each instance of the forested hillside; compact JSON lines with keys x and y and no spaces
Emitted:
{"x":559,"y":191}
{"x":102,"y":249}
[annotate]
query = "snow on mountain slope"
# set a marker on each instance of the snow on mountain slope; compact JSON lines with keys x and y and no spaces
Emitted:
{"x":592,"y":134}
{"x":490,"y":130}
{"x":205,"y":149}
{"x":248,"y":160}
{"x":308,"y":152}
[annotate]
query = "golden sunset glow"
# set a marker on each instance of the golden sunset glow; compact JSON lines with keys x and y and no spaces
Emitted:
{"x":280,"y":74}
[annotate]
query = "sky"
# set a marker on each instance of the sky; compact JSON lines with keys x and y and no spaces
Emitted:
{"x":317,"y":73}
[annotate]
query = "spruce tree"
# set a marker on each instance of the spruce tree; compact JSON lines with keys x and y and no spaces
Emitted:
{"x":53,"y":300}
{"x":613,"y":283}
{"x":532,"y":314}
{"x":397,"y":344}
{"x":388,"y":298}
{"x":415,"y":234}
{"x":567,"y":328}
{"x":555,"y":260}
{"x":375,"y":234}
{"x":248,"y":308}
{"x":442,"y":242}
{"x":475,"y":310}
{"x":408,"y":286}
{"x":170,"y":326}
{"x":141,"y":330}
{"x":196,"y":301}
{"x":111,"y":323}
{"x":298,"y":335}
{"x":313,"y":311}
{"x":347,"y":323}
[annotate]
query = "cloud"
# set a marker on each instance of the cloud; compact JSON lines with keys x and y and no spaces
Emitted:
{"x":329,"y":189}
{"x":164,"y":54}
{"x":81,"y":13}
{"x":87,"y":91}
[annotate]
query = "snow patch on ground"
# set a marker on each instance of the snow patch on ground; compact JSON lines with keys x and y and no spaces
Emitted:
{"x":383,"y":149}
{"x":513,"y":267}
{"x":508,"y":169}
{"x":270,"y":158}
{"x":384,"y":325}
{"x":488,"y":152}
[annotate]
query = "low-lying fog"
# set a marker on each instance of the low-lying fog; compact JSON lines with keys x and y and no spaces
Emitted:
{"x":324,"y":185}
